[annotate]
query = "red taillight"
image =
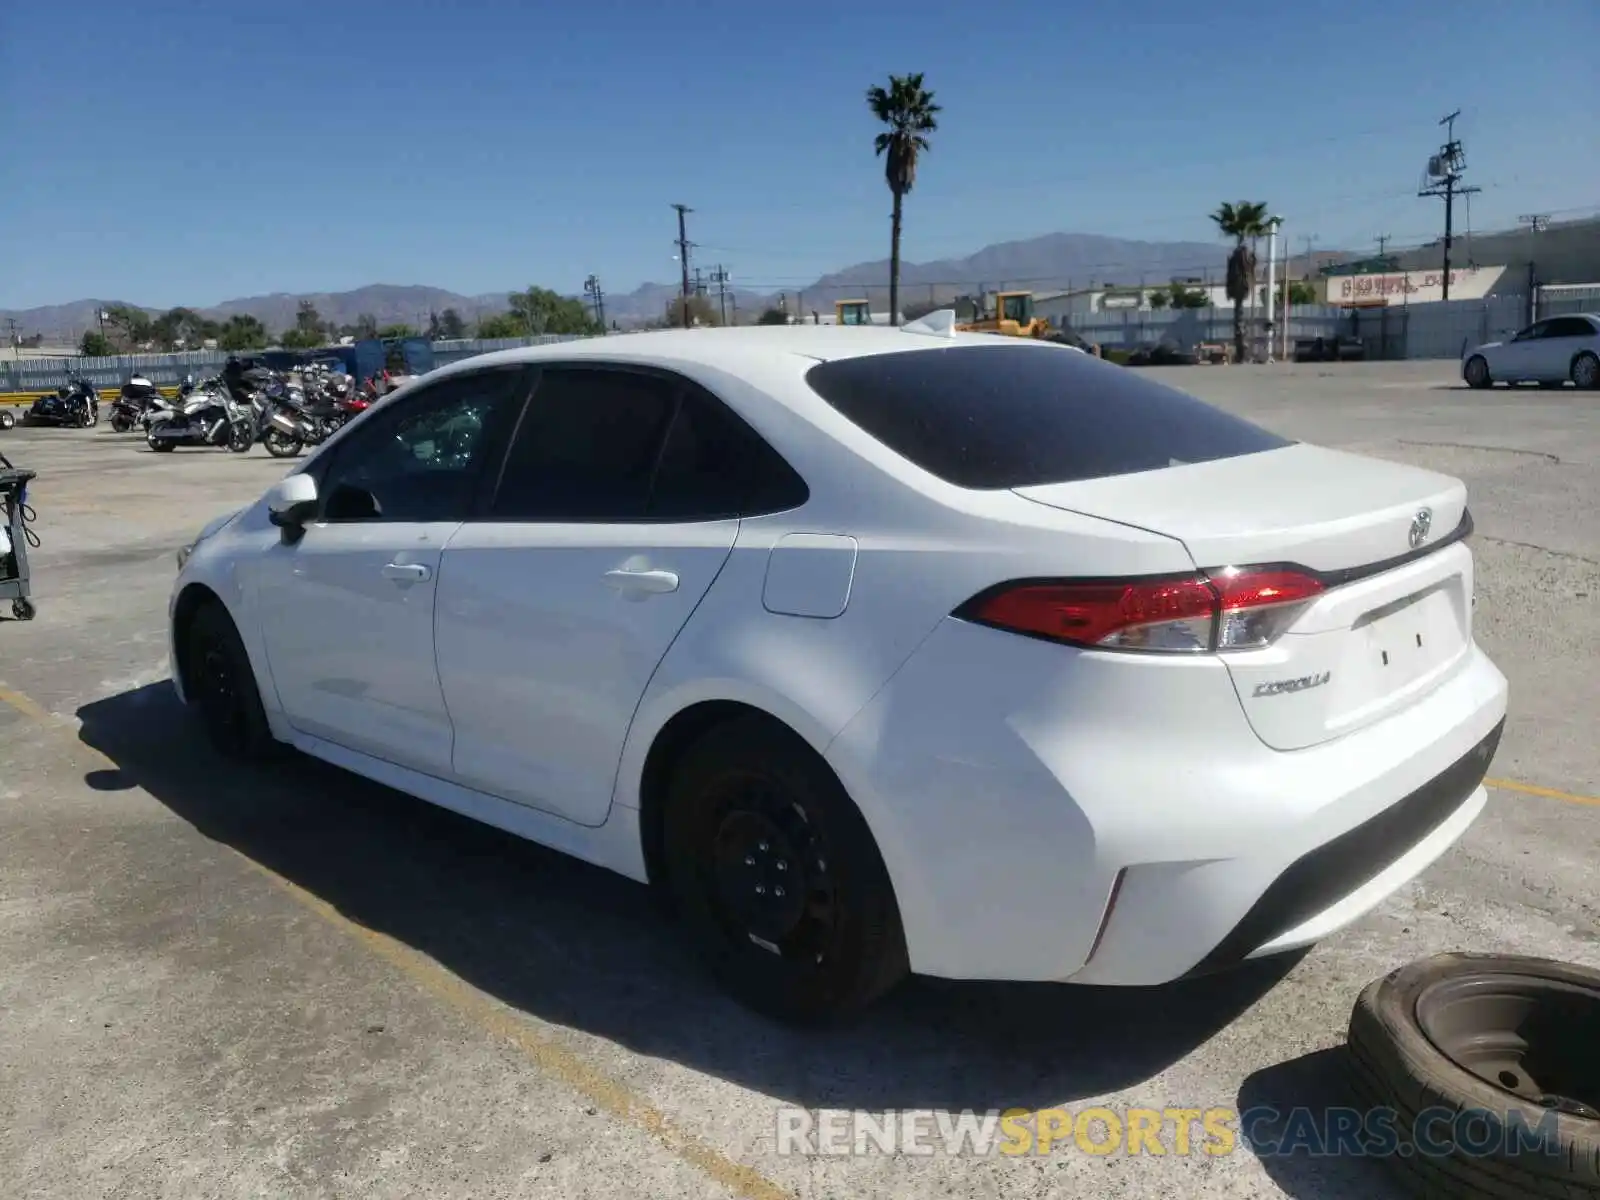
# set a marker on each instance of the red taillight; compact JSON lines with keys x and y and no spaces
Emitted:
{"x":1229,"y":610}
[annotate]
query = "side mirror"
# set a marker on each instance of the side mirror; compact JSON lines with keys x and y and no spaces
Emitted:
{"x":291,"y":502}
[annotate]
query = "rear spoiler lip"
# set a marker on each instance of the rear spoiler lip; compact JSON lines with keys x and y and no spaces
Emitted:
{"x":1333,"y":579}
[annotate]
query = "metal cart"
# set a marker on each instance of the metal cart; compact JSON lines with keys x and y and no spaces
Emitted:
{"x":14,"y":518}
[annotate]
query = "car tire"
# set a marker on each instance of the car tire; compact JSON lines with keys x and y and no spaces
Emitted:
{"x":776,"y":878}
{"x":7,"y":420}
{"x":1476,"y":372}
{"x":1586,"y":371}
{"x":220,"y":687}
{"x":1502,"y":1050}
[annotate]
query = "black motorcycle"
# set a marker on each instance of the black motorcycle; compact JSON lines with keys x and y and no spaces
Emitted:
{"x":288,"y":419}
{"x":136,"y":398}
{"x":75,"y":404}
{"x":208,"y":416}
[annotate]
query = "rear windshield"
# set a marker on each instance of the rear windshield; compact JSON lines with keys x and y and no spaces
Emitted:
{"x":1014,"y":416}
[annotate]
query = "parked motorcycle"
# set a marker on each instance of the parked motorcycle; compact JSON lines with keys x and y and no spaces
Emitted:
{"x":208,"y":416}
{"x":135,"y":398}
{"x":75,"y":404}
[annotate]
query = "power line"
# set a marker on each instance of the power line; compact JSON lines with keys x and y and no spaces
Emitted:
{"x":683,"y":259}
{"x":1446,"y":169}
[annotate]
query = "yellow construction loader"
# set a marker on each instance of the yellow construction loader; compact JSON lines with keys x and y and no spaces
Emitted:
{"x":852,"y":312}
{"x":1012,"y":315}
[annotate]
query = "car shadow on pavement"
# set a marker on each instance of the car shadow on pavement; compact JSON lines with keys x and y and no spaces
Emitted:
{"x":1290,"y":1118}
{"x":581,"y":947}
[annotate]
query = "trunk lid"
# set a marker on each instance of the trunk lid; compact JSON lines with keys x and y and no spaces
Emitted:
{"x":1395,"y":619}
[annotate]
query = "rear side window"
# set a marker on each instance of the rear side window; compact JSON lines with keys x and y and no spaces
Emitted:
{"x":1016,"y":416}
{"x":713,"y":465}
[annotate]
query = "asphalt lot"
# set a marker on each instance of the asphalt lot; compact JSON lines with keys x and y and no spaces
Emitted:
{"x":225,"y":983}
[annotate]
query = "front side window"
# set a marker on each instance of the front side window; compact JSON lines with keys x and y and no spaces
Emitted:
{"x":587,"y":447}
{"x":421,"y":460}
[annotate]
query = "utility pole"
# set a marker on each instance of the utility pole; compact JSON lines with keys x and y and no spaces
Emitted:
{"x":720,"y":278}
{"x":597,"y":299}
{"x":1537,"y":223}
{"x":683,"y":258}
{"x":1383,"y":240}
{"x":1446,"y":170}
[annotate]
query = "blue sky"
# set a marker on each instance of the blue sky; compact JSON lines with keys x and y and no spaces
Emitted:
{"x":190,"y":151}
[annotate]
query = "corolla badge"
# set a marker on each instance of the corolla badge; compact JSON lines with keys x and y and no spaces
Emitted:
{"x":1420,"y":525}
{"x":1280,"y":687}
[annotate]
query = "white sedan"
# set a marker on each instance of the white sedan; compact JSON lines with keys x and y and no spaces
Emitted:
{"x":875,"y":649}
{"x":1548,"y":352}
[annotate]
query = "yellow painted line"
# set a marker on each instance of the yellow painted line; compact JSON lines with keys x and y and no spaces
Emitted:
{"x":550,"y":1056}
{"x":1529,"y":789}
{"x":603,"y":1091}
{"x":23,"y":704}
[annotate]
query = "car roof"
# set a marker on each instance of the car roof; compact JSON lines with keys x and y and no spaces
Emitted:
{"x":729,"y":349}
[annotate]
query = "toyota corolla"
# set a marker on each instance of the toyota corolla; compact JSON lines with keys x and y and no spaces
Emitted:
{"x":876,"y":650}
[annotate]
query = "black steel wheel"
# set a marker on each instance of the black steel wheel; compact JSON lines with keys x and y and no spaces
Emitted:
{"x":220,"y":687}
{"x":241,"y":437}
{"x":776,"y":877}
{"x":1491,"y":1066}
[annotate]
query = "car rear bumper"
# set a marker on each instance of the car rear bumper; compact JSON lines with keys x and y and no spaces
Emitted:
{"x":1051,"y":814}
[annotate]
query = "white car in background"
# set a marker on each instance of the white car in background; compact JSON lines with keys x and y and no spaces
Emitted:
{"x":1548,"y":352}
{"x":875,"y":649}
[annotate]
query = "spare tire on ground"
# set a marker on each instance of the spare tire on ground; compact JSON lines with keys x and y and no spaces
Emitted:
{"x":1490,"y":1065}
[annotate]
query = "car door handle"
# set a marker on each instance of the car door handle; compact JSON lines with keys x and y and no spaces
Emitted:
{"x":406,"y":572}
{"x":654,"y":582}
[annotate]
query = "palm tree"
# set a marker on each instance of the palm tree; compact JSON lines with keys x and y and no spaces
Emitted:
{"x":908,"y":110}
{"x":1242,"y":222}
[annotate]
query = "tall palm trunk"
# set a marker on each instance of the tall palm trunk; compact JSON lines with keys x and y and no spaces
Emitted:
{"x":894,"y":260}
{"x":1238,"y":331}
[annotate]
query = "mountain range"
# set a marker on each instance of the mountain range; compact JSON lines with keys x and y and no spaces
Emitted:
{"x":1051,"y":262}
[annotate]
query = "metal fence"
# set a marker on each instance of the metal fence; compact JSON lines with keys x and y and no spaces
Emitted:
{"x":1189,"y":327}
{"x":43,"y":374}
{"x":1435,"y":330}
{"x":1446,"y":329}
{"x":1558,"y":300}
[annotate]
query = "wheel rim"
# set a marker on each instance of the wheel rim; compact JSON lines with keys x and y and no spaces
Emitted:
{"x":1587,"y":371}
{"x":1477,"y":371}
{"x":767,"y":877}
{"x":1529,"y":1037}
{"x":219,"y":694}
